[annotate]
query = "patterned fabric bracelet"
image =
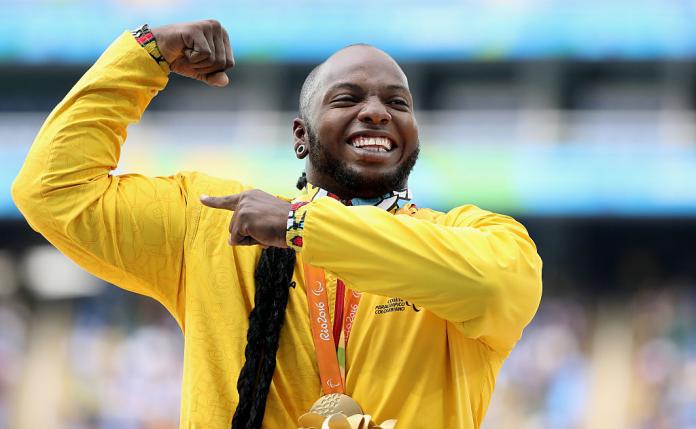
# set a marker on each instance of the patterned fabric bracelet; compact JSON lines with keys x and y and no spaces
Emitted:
{"x":296,"y":219}
{"x":146,"y":39}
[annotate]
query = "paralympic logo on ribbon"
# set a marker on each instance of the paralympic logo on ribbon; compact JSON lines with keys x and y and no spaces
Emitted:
{"x":331,"y":384}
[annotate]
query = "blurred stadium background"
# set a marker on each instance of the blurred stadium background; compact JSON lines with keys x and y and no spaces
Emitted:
{"x":577,"y":117}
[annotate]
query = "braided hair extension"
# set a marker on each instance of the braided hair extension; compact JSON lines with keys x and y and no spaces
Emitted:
{"x":302,"y":181}
{"x":273,"y":277}
{"x":285,"y":258}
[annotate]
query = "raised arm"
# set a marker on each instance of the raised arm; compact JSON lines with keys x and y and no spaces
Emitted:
{"x":128,"y":229}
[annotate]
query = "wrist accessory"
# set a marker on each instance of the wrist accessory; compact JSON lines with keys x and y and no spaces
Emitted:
{"x":296,"y":217}
{"x":146,"y":39}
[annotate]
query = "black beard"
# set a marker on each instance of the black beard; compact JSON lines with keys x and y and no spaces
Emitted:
{"x":348,"y":178}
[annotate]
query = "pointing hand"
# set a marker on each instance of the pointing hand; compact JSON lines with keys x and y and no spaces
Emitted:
{"x":259,"y":218}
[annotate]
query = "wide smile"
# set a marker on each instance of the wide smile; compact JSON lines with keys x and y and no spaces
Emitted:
{"x":372,"y":148}
{"x":372,"y":144}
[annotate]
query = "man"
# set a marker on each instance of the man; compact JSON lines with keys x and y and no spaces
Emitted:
{"x":403,"y":312}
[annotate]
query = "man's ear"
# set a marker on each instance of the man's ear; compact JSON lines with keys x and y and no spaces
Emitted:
{"x":300,"y":137}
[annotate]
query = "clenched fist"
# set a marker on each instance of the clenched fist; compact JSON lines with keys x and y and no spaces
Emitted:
{"x":200,"y":50}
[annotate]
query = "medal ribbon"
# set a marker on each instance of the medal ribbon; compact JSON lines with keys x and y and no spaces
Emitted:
{"x":330,"y":342}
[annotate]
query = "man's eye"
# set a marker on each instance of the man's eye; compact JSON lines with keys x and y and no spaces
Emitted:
{"x":344,"y":98}
{"x":399,"y":101}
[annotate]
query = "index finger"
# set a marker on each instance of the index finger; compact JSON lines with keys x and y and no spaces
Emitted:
{"x":227,"y":202}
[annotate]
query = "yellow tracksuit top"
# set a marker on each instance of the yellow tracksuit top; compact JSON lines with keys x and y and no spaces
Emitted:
{"x":445,"y":295}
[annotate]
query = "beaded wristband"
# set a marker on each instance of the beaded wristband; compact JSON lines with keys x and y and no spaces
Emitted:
{"x":296,"y":219}
{"x":146,"y":39}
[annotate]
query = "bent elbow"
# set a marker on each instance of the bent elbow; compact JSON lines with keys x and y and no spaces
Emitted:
{"x":23,"y":192}
{"x":519,"y":290}
{"x":26,"y":195}
{"x":515,"y":288}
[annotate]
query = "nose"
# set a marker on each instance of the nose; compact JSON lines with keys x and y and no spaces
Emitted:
{"x":375,"y":112}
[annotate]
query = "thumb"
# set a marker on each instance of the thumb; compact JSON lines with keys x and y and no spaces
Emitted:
{"x":218,"y":79}
{"x":227,"y":202}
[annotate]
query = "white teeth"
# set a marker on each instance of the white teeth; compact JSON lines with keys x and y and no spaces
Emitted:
{"x":373,"y":144}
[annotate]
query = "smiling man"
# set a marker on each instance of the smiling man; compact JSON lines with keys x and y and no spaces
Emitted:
{"x":360,"y":98}
{"x":344,"y":301}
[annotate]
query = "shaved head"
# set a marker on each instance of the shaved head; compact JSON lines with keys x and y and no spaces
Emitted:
{"x":309,"y":88}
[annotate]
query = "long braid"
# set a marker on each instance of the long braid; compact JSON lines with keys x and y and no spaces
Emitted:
{"x":273,"y":277}
{"x":285,"y":261}
{"x":253,"y":351}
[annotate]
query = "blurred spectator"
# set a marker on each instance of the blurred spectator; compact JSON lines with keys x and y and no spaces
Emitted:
{"x":13,"y":337}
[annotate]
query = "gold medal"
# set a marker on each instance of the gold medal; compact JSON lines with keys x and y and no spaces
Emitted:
{"x":327,"y":406}
{"x":340,"y":421}
{"x":334,"y":403}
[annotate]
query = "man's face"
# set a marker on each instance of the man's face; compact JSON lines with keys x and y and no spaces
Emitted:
{"x":362,"y":134}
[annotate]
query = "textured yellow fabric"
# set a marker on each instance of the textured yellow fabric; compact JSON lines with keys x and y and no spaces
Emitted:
{"x":446,"y":295}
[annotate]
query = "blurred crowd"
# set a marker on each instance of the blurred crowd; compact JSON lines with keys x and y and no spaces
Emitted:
{"x":556,"y":375}
{"x":664,"y":364}
{"x":116,"y":360}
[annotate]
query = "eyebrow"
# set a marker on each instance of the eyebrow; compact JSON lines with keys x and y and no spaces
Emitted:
{"x":358,"y":88}
{"x":398,"y":88}
{"x":344,"y":85}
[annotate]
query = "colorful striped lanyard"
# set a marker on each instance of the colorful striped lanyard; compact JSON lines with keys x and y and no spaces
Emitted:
{"x":330,"y":342}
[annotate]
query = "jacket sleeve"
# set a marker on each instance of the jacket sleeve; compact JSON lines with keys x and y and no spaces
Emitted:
{"x":476,"y":269}
{"x":128,"y":230}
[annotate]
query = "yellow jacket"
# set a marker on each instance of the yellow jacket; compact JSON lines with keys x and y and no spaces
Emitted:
{"x":446,"y":295}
